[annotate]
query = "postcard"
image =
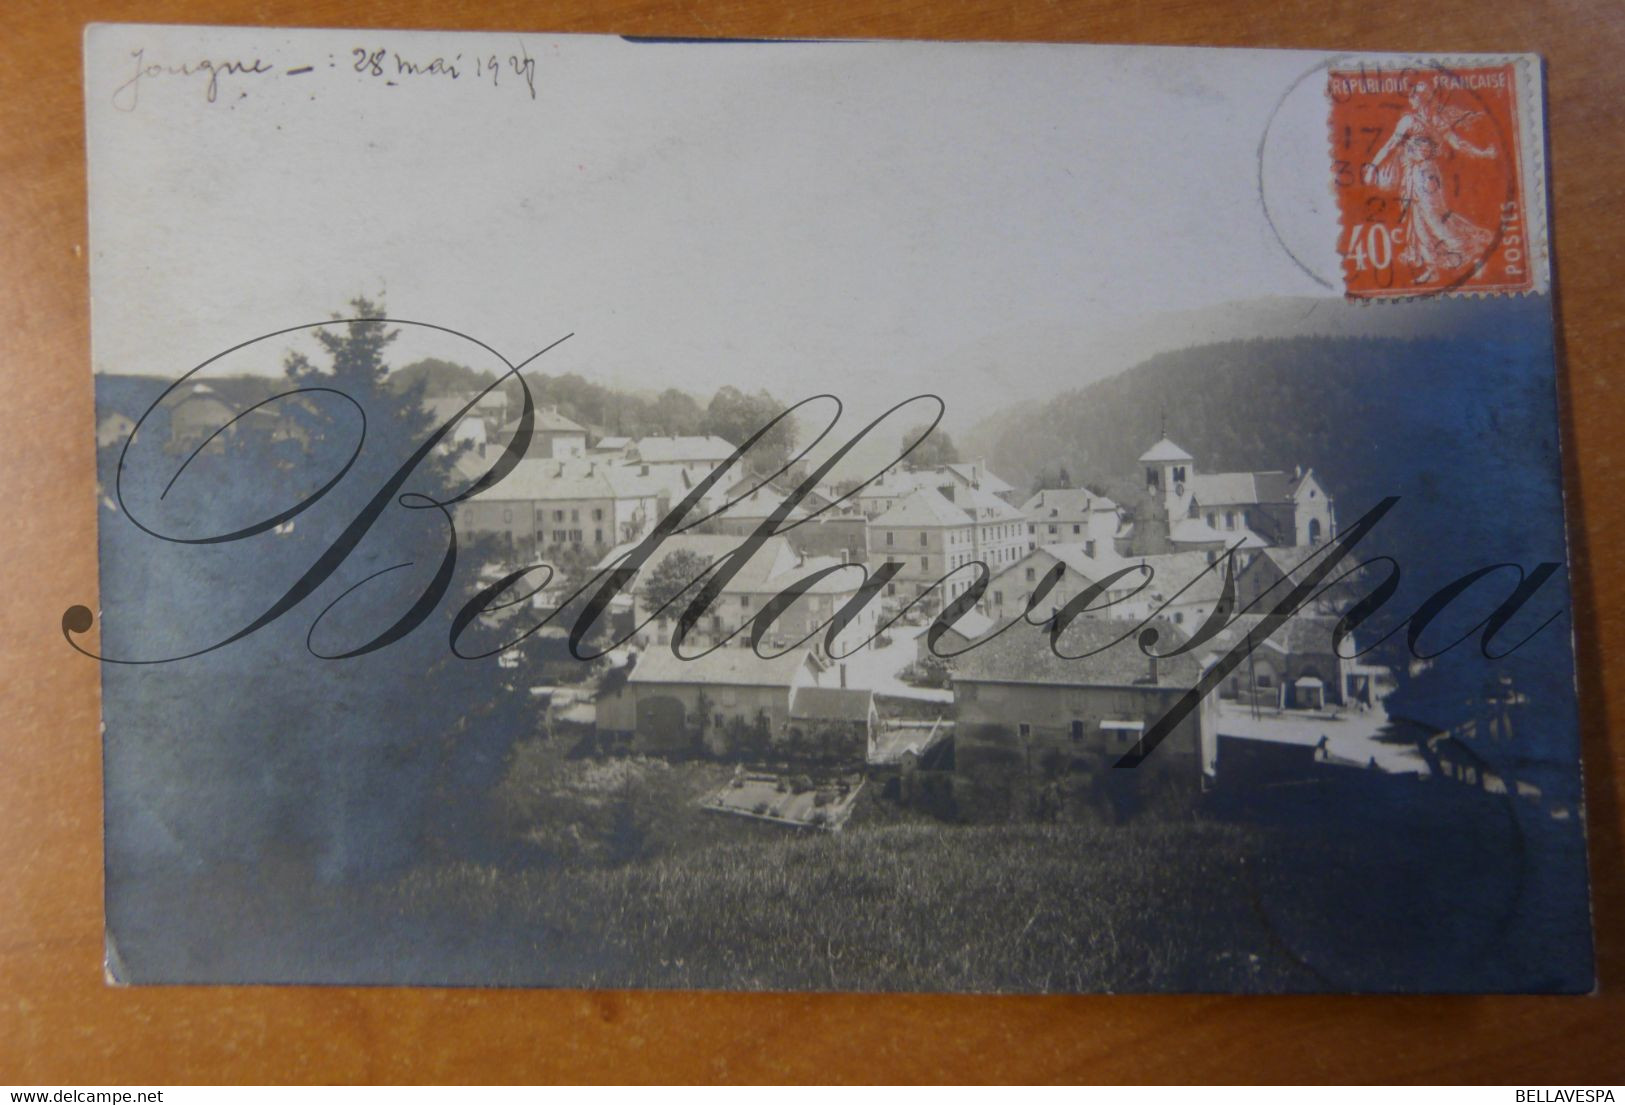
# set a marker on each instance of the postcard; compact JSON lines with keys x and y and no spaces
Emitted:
{"x":581,"y":511}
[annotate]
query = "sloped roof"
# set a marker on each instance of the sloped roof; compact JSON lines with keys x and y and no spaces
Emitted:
{"x":1074,"y":555}
{"x":890,"y":484}
{"x":924,"y":506}
{"x":729,"y":665}
{"x":1241,"y":488}
{"x":443,"y":408}
{"x":831,"y":703}
{"x":1065,"y":504}
{"x":836,"y":583}
{"x":1174,"y":570}
{"x":1024,"y":655}
{"x":1164,"y":450}
{"x":977,"y":472}
{"x":759,"y":504}
{"x":973,"y":625}
{"x":987,"y":506}
{"x":1288,"y":558}
{"x":1193,"y":531}
{"x":772,"y":567}
{"x":543,"y":480}
{"x":549,"y":420}
{"x":682,"y":450}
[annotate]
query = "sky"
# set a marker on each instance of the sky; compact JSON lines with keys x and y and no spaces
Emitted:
{"x":874,"y":220}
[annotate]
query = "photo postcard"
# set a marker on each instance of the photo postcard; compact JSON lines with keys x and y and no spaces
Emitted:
{"x":582,"y":511}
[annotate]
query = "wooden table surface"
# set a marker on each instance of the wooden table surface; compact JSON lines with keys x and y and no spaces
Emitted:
{"x":59,"y":1025}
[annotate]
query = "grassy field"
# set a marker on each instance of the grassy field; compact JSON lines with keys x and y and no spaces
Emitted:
{"x":902,"y":906}
{"x":618,"y":879}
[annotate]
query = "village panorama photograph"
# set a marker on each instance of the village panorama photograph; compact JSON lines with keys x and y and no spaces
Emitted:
{"x":1007,"y":700}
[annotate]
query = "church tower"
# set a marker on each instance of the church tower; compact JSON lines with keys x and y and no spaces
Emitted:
{"x":1167,"y":469}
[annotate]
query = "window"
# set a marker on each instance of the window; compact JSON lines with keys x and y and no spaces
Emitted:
{"x":891,"y":589}
{"x":1265,"y":679}
{"x":889,"y":536}
{"x":598,"y":536}
{"x":1024,"y":730}
{"x":1151,"y":479}
{"x":1032,"y":574}
{"x":998,"y":598}
{"x":597,"y":514}
{"x":558,"y":537}
{"x":1179,"y":473}
{"x":924,"y":540}
{"x":1211,"y":518}
{"x":575,"y":515}
{"x":1077,"y":729}
{"x":925,"y":563}
{"x":558,"y":516}
{"x":1229,"y":519}
{"x":1052,"y":531}
{"x":1314,"y":531}
{"x":1179,"y":618}
{"x":1076,"y":528}
{"x":744,"y":601}
{"x":507,"y":515}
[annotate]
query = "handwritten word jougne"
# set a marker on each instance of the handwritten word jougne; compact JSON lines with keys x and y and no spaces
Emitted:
{"x":386,"y":63}
{"x":128,"y":94}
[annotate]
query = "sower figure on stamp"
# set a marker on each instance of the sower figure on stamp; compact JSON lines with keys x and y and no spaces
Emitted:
{"x":1437,"y":238}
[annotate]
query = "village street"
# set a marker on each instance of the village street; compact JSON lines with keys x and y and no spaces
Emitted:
{"x":879,"y":669}
{"x":1350,"y":735}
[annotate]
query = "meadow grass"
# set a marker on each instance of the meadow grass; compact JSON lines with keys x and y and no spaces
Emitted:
{"x":903,"y":906}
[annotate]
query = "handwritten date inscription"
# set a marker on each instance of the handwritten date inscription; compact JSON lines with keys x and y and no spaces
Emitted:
{"x":383,"y":62}
{"x":393,"y":68}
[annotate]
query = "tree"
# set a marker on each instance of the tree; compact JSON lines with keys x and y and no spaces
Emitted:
{"x":440,"y":377}
{"x":734,"y":416}
{"x":936,"y":450}
{"x":1059,"y":478}
{"x":680,"y":413}
{"x":671,"y":577}
{"x":297,"y":739}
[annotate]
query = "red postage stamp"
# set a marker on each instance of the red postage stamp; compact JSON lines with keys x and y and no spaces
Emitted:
{"x":1426,"y":167}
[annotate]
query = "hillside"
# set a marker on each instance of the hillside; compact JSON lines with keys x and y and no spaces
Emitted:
{"x":1464,"y":430}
